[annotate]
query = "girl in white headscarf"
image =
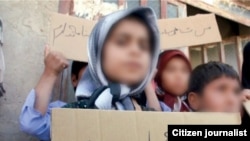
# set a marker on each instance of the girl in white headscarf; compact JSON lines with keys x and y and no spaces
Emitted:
{"x":123,"y":50}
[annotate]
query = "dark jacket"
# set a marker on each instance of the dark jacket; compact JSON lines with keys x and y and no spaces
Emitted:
{"x":88,"y":103}
{"x":246,"y":79}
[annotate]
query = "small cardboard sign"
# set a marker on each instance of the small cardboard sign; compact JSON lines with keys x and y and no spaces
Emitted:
{"x":69,"y":35}
{"x":101,"y":125}
{"x":190,"y":31}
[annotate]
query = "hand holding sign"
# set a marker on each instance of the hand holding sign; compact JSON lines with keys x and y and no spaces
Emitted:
{"x":54,"y":62}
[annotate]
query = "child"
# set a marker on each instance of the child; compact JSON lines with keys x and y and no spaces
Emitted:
{"x":121,"y":64}
{"x":120,"y":59}
{"x":214,"y":87}
{"x":172,"y":79}
{"x":32,"y":120}
{"x":77,"y":71}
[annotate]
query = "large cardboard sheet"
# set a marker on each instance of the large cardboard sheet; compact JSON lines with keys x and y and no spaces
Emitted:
{"x":69,"y":35}
{"x":97,"y":125}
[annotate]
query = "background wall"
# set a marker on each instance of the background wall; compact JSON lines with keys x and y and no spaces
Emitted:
{"x":25,"y":32}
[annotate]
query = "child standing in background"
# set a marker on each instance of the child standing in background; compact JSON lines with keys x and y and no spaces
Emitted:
{"x":172,"y":79}
{"x":214,"y":87}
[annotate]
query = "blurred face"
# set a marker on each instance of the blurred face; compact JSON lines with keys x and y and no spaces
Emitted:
{"x":175,"y":76}
{"x":221,"y":95}
{"x":126,"y":53}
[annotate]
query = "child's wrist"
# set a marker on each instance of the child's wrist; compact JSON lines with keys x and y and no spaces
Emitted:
{"x":50,"y":74}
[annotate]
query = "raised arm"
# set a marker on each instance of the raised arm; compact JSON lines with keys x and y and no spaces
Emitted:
{"x":35,"y":116}
{"x":54,"y":64}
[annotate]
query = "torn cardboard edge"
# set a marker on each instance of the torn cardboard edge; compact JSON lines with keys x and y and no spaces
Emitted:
{"x":69,"y":35}
{"x":102,"y":125}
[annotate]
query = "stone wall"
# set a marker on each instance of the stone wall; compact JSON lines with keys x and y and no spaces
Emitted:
{"x":25,"y":33}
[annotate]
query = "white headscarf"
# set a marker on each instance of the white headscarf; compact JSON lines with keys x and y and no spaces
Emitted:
{"x":94,"y":78}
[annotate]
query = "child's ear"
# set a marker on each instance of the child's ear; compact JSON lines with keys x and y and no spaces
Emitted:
{"x":74,"y":80}
{"x":193,"y":100}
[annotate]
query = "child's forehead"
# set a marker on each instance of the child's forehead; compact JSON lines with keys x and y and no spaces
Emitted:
{"x":226,"y":80}
{"x":127,"y":21}
{"x":131,"y":29}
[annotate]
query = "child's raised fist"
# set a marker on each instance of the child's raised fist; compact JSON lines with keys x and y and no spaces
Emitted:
{"x":54,"y":62}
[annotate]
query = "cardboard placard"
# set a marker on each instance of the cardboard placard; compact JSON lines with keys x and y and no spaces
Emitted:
{"x":190,"y":31}
{"x":69,"y":35}
{"x":98,"y":125}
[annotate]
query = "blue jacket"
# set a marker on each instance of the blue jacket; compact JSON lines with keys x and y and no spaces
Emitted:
{"x":33,"y":122}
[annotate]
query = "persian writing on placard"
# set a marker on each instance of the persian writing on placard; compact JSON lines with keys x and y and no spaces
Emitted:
{"x":189,"y":31}
{"x":68,"y":31}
